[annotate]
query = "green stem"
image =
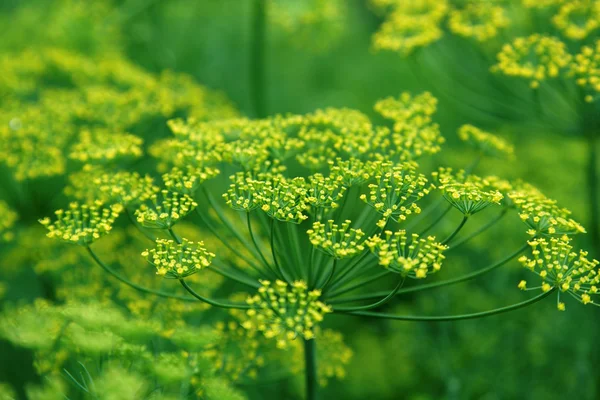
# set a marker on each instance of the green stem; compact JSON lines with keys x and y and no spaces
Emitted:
{"x":134,"y":285}
{"x":274,"y":253}
{"x":253,"y":238}
{"x":257,"y":58}
{"x":381,"y":302}
{"x":446,"y":282}
{"x":436,"y":221}
{"x":458,"y":228}
{"x":592,"y":178}
{"x":479,"y":231}
{"x":214,"y":303}
{"x":360,"y":283}
{"x":137,"y":225}
{"x":234,"y":274}
{"x":310,"y":369}
{"x":456,"y":317}
{"x":323,"y":286}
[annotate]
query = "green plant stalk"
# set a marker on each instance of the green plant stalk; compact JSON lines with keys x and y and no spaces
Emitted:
{"x":132,"y":284}
{"x":458,"y":229}
{"x":257,"y":58}
{"x":434,"y":285}
{"x":379,"y":303}
{"x":253,"y":238}
{"x":331,"y":274}
{"x":480,"y":230}
{"x":215,"y":303}
{"x":456,"y":317}
{"x":310,"y":369}
{"x":436,"y":221}
{"x":362,"y":282}
{"x":281,"y":270}
{"x":594,"y":198}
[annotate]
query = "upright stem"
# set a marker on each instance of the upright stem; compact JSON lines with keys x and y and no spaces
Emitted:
{"x":460,"y":226}
{"x":257,"y":58}
{"x":592,"y":177}
{"x":310,"y":365}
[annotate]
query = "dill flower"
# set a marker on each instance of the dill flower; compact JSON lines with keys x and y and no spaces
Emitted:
{"x":81,"y":223}
{"x":541,"y":214}
{"x":324,"y":192}
{"x":396,"y":190}
{"x":414,"y":134}
{"x":468,"y":197}
{"x":285,"y":311}
{"x":405,"y":34}
{"x":102,"y":145}
{"x":414,"y":258}
{"x":480,"y":21}
{"x":335,"y":240}
{"x":96,"y":185}
{"x":577,"y":19}
{"x":7,"y":220}
{"x":352,"y":172}
{"x":284,"y":199}
{"x":586,"y":70}
{"x":487,"y":143}
{"x":164,"y":209}
{"x":535,"y":58}
{"x":178,"y":260}
{"x":243,"y":193}
{"x":187,"y":179}
{"x":555,"y":262}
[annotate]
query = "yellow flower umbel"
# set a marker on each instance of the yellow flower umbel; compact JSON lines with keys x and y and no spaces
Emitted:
{"x":7,"y":220}
{"x":323,"y":193}
{"x":413,"y":134}
{"x":396,"y":192}
{"x":104,"y":146}
{"x":82,"y":224}
{"x":469,"y":197}
{"x":410,"y":25}
{"x":535,"y":58}
{"x":555,"y":262}
{"x":479,"y":20}
{"x":541,"y":214}
{"x":586,"y":70}
{"x":577,"y":19}
{"x":337,"y":241}
{"x":284,"y":199}
{"x":126,"y":188}
{"x":178,"y":260}
{"x":187,"y":179}
{"x":285,"y":311}
{"x":414,"y":258}
{"x":165,"y":212}
{"x":485,"y":142}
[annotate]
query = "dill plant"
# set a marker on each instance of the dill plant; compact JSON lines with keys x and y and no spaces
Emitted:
{"x":311,"y":209}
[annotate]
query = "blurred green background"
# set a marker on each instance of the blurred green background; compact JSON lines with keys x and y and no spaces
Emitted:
{"x":535,"y":353}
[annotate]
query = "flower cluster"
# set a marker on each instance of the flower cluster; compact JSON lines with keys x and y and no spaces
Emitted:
{"x":7,"y":219}
{"x":285,"y":311}
{"x":337,"y":241}
{"x":536,"y":58}
{"x":81,"y":223}
{"x":586,"y":70}
{"x":560,"y":267}
{"x":413,"y":257}
{"x":577,"y":19}
{"x":164,"y":209}
{"x":485,"y":142}
{"x":411,"y":25}
{"x":102,"y":145}
{"x":414,"y":134}
{"x":541,"y":214}
{"x":469,"y":197}
{"x":178,"y":260}
{"x":480,"y":21}
{"x":396,"y":190}
{"x":284,"y":199}
{"x":324,"y":192}
{"x":186,"y":180}
{"x":96,"y":185}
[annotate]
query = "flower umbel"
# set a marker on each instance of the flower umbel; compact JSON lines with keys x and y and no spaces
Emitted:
{"x":285,"y":311}
{"x":165,"y":212}
{"x":337,"y":241}
{"x":81,"y":223}
{"x":415,"y":257}
{"x":178,"y":260}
